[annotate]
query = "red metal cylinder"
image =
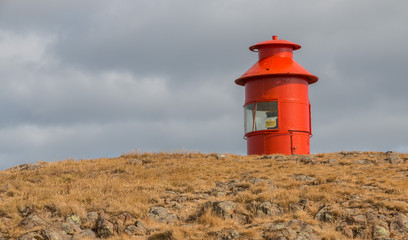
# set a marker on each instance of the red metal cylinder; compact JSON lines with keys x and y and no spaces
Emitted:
{"x":277,"y":107}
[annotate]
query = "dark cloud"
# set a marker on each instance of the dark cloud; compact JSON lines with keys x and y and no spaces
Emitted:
{"x":99,"y":78}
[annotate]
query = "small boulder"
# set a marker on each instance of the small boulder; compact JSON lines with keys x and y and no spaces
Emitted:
{"x":30,"y":166}
{"x":229,"y":235}
{"x":52,"y":234}
{"x":325,"y":214}
{"x":73,"y":219}
{"x":380,"y":232}
{"x":399,"y":224}
{"x":346,"y":230}
{"x":305,"y":159}
{"x":31,"y":236}
{"x":167,"y":235}
{"x":31,"y":221}
{"x":392,"y":157}
{"x":85,"y":234}
{"x":301,"y":178}
{"x":280,"y":230}
{"x":3,"y":237}
{"x":358,"y":220}
{"x":122,"y":220}
{"x":268,"y":209}
{"x":104,"y":228}
{"x":363,"y":162}
{"x":135,"y":230}
{"x":70,"y":228}
{"x":331,"y":161}
{"x":224,"y":209}
{"x":6,"y":221}
{"x":134,"y":161}
{"x":162,"y":214}
{"x":90,"y":221}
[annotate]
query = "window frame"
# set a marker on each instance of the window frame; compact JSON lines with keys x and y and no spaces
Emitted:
{"x":254,"y":115}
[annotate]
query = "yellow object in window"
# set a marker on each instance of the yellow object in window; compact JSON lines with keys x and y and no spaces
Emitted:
{"x":271,"y":120}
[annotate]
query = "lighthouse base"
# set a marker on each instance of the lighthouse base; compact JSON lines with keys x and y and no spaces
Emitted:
{"x":265,"y":143}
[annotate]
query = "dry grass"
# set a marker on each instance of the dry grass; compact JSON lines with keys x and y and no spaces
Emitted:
{"x":135,"y":182}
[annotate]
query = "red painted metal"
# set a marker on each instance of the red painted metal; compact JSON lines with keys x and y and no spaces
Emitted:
{"x":277,"y":77}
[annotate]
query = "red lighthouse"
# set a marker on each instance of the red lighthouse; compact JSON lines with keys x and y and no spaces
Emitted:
{"x":277,"y":107}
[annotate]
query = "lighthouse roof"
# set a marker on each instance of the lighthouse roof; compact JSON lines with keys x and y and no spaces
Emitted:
{"x":274,"y":41}
{"x":275,"y":66}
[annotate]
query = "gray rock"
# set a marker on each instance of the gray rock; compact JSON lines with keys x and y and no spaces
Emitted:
{"x":390,"y":153}
{"x":363,"y":162}
{"x":255,"y":181}
{"x":162,"y":214}
{"x":90,"y":221}
{"x":92,"y":216}
{"x":268,"y":209}
{"x":331,"y":161}
{"x":29,"y":166}
{"x":230,"y":235}
{"x":176,"y":206}
{"x":104,"y":228}
{"x":307,"y":236}
{"x":294,"y":207}
{"x":135,"y":230}
{"x":135,"y":161}
{"x":73,"y":219}
{"x":218,"y":192}
{"x":25,"y":211}
{"x":305,"y":159}
{"x":52,"y":234}
{"x":325,"y":214}
{"x":31,"y":221}
{"x":167,"y":235}
{"x":279,"y":230}
{"x":240,"y":218}
{"x":229,"y":188}
{"x":277,"y":226}
{"x":393,"y":159}
{"x":300,"y":177}
{"x":3,"y":237}
{"x":122,"y":220}
{"x":380,"y":232}
{"x":349,"y":154}
{"x":224,"y":209}
{"x":6,"y":221}
{"x":359,"y":220}
{"x":346,"y":230}
{"x":85,"y":234}
{"x":138,"y":229}
{"x":31,"y":236}
{"x":70,"y":228}
{"x":399,"y":224}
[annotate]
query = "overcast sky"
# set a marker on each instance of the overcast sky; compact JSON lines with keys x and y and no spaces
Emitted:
{"x":89,"y":79}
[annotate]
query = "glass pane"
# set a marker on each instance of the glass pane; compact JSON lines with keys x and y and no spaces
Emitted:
{"x":266,"y":116}
{"x":249,"y":117}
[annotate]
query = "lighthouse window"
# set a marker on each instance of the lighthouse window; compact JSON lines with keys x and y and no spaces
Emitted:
{"x":249,"y":117}
{"x":261,"y":116}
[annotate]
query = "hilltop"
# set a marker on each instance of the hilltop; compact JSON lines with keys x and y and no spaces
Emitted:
{"x":360,"y":195}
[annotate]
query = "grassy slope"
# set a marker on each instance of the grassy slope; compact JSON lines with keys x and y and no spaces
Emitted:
{"x":135,"y":182}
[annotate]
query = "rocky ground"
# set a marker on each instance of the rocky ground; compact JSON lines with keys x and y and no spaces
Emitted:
{"x":345,"y":195}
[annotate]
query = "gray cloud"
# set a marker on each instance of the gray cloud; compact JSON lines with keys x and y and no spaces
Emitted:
{"x":100,"y":78}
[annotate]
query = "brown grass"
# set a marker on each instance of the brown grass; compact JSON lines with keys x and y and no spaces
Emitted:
{"x":135,"y":182}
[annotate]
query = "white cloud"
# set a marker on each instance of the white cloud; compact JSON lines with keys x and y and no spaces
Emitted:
{"x":24,"y":48}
